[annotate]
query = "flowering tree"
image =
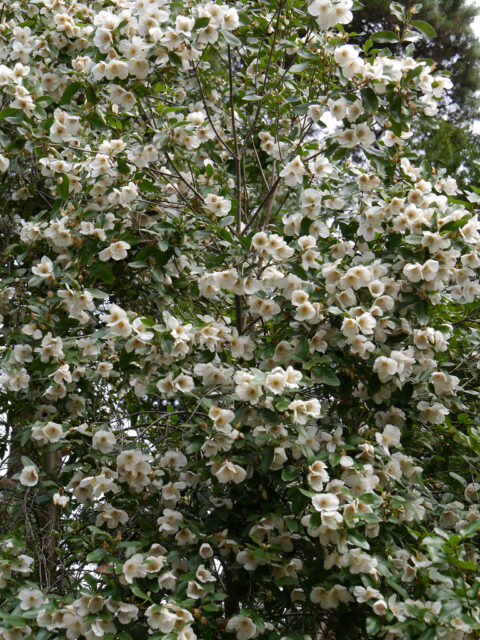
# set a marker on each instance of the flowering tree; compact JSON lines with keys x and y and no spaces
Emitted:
{"x":238,"y":384}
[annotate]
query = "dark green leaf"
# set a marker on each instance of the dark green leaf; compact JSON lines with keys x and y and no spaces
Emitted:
{"x":69,"y":92}
{"x":103,"y":272}
{"x":385,"y":36}
{"x":424,"y":27}
{"x":370,"y":100}
{"x":200,"y":23}
{"x":63,"y":187}
{"x":96,"y":555}
{"x":373,"y":626}
{"x":230,"y":38}
{"x":326,"y":376}
{"x":267,"y":459}
{"x":289,"y":473}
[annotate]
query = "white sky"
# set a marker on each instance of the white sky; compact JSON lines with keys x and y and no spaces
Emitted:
{"x":476,"y":30}
{"x":476,"y":22}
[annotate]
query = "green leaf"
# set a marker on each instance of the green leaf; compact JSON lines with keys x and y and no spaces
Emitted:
{"x":91,"y":95}
{"x":69,"y":92}
{"x":370,"y":100}
{"x":63,"y":188}
{"x":298,"y":68}
{"x":122,"y":166}
{"x":230,"y":38}
{"x":16,"y":144}
{"x":371,"y":498}
{"x":96,"y":555}
{"x":424,"y":27}
{"x":139,"y":593}
{"x":96,"y":122}
{"x":9,"y":112}
{"x":385,"y":36}
{"x":462,"y":564}
{"x":96,"y":293}
{"x":422,"y":311}
{"x":453,"y":225}
{"x":303,"y":347}
{"x":299,"y":501}
{"x":326,"y":376}
{"x":103,"y":272}
{"x":267,"y":459}
{"x":471,"y":529}
{"x":368,"y":45}
{"x":146,"y":251}
{"x":397,"y":10}
{"x":372,"y":626}
{"x":13,"y":620}
{"x":200,"y":23}
{"x":289,"y":473}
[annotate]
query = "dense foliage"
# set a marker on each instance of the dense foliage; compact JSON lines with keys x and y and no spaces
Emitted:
{"x":447,"y":140}
{"x":239,"y":371}
{"x":454,"y":48}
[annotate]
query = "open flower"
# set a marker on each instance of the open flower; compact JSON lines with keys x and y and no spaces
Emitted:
{"x":30,"y":598}
{"x":243,"y":626}
{"x":115,"y":251}
{"x":134,"y":567}
{"x":29,"y":476}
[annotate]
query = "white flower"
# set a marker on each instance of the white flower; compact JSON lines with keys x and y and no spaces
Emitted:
{"x":389,"y":438}
{"x":380,"y":607}
{"x":44,"y":268}
{"x":116,"y":251}
{"x":134,"y":568}
{"x":4,"y":163}
{"x":110,"y":516}
{"x":413,"y":272}
{"x":385,"y":367}
{"x":204,"y":575}
{"x":317,"y":475}
{"x":293,"y":172}
{"x":276,"y":381}
{"x":344,"y":54}
{"x":161,"y":618}
{"x":184,"y":25}
{"x":363,"y":594}
{"x":183,"y":383}
{"x":205,"y":551}
{"x":243,"y":626}
{"x":52,"y":431}
{"x":435,"y":413}
{"x":218,"y":205}
{"x":195,"y":590}
{"x":30,"y":599}
{"x":230,"y":19}
{"x":60,"y":500}
{"x":168,"y":522}
{"x":117,"y":321}
{"x":332,"y":598}
{"x":104,"y":441}
{"x":227,"y":471}
{"x":29,"y":476}
{"x":325,"y":502}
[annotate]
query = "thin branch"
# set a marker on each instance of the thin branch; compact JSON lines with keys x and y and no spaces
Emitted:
{"x":207,"y":111}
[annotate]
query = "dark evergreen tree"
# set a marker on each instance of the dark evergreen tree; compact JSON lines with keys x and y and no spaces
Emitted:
{"x":448,"y":141}
{"x":455,"y":47}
